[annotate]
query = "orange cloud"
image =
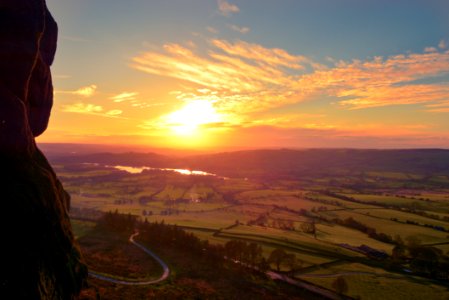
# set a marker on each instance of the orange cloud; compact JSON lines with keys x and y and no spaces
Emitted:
{"x":441,"y":107}
{"x":125,"y":96}
{"x":91,"y":109}
{"x":82,"y":108}
{"x":262,"y":56}
{"x":87,"y":91}
{"x":240,"y":75}
{"x":380,"y":82}
{"x":244,"y":77}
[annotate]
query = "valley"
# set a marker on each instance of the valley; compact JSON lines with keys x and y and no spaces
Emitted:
{"x":364,"y":226}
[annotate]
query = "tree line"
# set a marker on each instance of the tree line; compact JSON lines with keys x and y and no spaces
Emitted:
{"x":235,"y":252}
{"x":424,"y":260}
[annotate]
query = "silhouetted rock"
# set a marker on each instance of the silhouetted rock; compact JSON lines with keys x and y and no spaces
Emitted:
{"x":39,"y":258}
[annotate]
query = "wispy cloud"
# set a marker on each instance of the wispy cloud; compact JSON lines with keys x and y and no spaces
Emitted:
{"x":274,"y":57}
{"x":91,"y":109}
{"x":212,"y":29}
{"x":125,"y":96}
{"x":439,"y":110}
{"x":114,"y":112}
{"x":248,"y":77}
{"x":442,"y":44}
{"x":383,"y":82}
{"x":133,"y":100}
{"x":235,"y":74}
{"x":86,"y":91}
{"x":242,"y":30}
{"x":82,"y":108}
{"x":227,"y":8}
{"x":440,"y":107}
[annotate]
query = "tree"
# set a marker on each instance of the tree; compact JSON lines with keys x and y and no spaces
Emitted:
{"x":255,"y":253}
{"x":340,"y":285}
{"x":425,"y":259}
{"x":235,"y":249}
{"x":277,"y":256}
{"x":293,"y":263}
{"x":263,"y":265}
{"x":398,"y":253}
{"x":309,"y":227}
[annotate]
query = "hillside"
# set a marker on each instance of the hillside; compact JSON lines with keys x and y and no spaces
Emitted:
{"x":283,"y":161}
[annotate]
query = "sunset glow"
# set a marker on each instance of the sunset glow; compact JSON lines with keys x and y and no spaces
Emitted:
{"x":188,"y":120}
{"x":305,"y":75}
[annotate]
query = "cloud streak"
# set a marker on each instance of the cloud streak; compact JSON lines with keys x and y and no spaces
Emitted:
{"x":227,"y":8}
{"x":242,"y":30}
{"x":233,"y":74}
{"x":383,"y":82}
{"x":125,"y":96}
{"x":212,"y":29}
{"x":91,"y":109}
{"x":82,"y":108}
{"x":247,"y":77}
{"x":86,"y":91}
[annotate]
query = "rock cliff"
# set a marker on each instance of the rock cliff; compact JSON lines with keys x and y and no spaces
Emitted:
{"x":39,"y":257}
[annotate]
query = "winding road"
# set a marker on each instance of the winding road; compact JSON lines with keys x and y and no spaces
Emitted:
{"x":164,"y":266}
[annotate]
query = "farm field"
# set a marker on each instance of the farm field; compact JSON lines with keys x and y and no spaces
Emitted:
{"x":212,"y":219}
{"x":384,"y":199}
{"x":402,"y":217}
{"x":267,"y":246}
{"x":373,"y":283}
{"x":387,"y":226}
{"x":280,"y":215}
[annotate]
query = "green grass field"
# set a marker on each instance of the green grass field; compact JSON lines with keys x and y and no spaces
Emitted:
{"x":373,"y":283}
{"x":402,"y":216}
{"x":389,"y":200}
{"x":171,"y":192}
{"x":339,"y":234}
{"x":426,"y":235}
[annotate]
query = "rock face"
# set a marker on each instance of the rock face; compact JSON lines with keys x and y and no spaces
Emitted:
{"x":38,"y":255}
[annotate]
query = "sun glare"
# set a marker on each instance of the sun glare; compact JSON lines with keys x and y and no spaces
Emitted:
{"x":192,"y":116}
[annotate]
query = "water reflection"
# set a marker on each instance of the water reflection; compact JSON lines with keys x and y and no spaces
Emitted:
{"x":138,"y":170}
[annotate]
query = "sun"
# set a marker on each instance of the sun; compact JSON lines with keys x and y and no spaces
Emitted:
{"x":188,"y":120}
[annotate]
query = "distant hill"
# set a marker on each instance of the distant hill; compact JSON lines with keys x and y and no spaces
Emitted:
{"x":124,"y":159}
{"x":53,"y":149}
{"x":283,"y":161}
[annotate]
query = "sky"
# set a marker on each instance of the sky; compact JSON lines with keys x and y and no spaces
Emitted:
{"x":235,"y":74}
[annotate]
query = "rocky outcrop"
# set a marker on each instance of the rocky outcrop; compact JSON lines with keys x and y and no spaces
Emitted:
{"x":38,"y":255}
